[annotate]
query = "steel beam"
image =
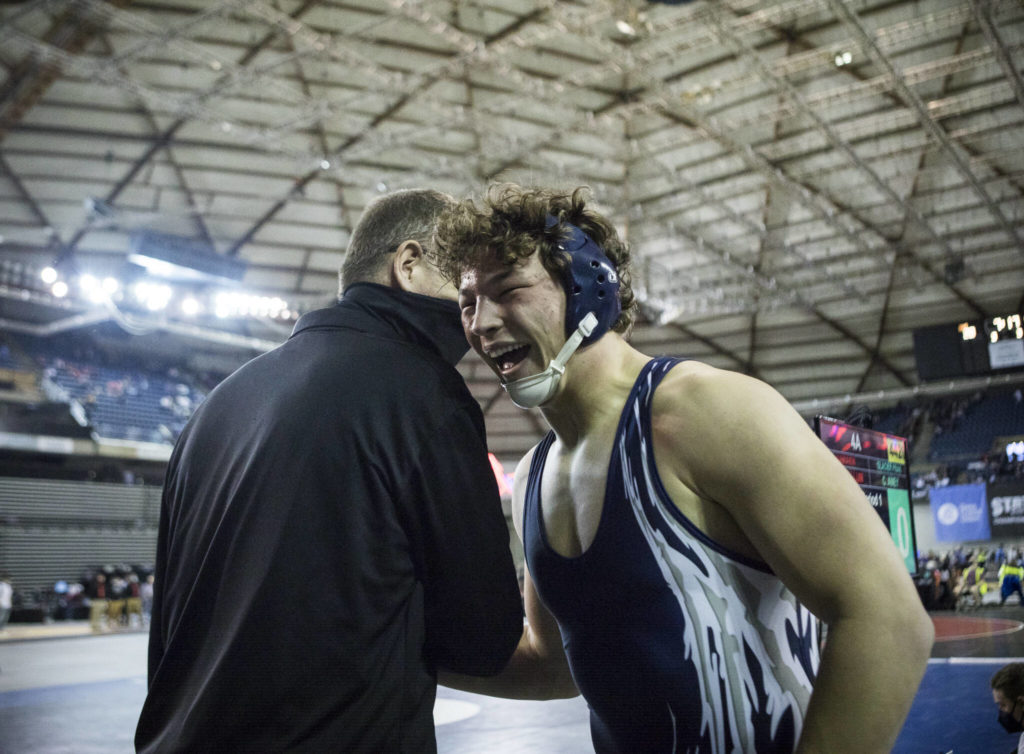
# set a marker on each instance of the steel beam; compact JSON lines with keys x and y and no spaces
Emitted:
{"x":30,"y":79}
{"x":845,"y":11}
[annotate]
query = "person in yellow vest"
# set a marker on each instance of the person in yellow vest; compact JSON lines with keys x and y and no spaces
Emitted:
{"x":972,"y":587}
{"x":1010,"y":578}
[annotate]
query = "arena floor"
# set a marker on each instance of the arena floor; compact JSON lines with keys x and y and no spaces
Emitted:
{"x":64,"y":690}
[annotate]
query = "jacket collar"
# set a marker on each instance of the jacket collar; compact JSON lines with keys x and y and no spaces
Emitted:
{"x":432,"y":323}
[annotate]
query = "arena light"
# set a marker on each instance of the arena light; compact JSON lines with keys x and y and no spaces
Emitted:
{"x":179,"y":258}
{"x":92,"y":289}
{"x":190,"y":307}
{"x":625,"y":27}
{"x":153,"y":296}
{"x":59,"y":289}
{"x":48,"y":275}
{"x":226,"y":305}
{"x":234,"y":304}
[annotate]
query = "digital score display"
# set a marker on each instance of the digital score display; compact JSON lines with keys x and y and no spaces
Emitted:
{"x":1003,"y":338}
{"x":976,"y":347}
{"x":878,"y":463}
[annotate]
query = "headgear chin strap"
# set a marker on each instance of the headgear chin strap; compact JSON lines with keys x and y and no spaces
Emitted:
{"x":538,"y":389}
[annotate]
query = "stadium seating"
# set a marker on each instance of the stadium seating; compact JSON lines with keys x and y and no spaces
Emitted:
{"x":971,"y":435}
{"x":120,"y":403}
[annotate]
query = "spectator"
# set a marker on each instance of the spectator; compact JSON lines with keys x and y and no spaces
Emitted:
{"x":146,"y":593}
{"x":133,"y":601}
{"x":62,"y":608}
{"x":945,"y":581}
{"x":972,"y":587}
{"x":117,"y":592}
{"x":98,"y":603}
{"x":6,"y":595}
{"x":75,"y":600}
{"x":1010,"y":577}
{"x":1008,"y":694}
{"x":960,"y":559}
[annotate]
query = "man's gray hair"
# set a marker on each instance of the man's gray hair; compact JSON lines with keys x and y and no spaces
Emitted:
{"x":387,"y":221}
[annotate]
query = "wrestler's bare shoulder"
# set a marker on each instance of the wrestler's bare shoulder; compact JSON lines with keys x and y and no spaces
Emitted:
{"x":699,"y":402}
{"x":691,"y":385}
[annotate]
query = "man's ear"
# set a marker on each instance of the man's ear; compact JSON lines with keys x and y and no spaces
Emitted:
{"x":403,"y":267}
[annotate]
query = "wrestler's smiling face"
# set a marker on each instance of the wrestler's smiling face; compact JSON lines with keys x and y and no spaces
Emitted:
{"x":513,"y":315}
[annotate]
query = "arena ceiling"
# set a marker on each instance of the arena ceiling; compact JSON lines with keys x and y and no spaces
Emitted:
{"x":803,"y":182}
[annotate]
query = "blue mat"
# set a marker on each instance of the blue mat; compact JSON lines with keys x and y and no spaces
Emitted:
{"x":954,"y":712}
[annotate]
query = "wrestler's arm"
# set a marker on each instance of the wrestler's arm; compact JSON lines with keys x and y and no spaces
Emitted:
{"x":538,"y":668}
{"x":801,"y":510}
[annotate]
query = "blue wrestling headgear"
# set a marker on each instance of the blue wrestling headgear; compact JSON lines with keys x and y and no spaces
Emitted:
{"x":592,"y":306}
{"x":591,"y":284}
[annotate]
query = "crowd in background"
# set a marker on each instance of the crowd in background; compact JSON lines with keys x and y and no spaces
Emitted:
{"x":111,"y":597}
{"x":139,"y":400}
{"x":124,"y":600}
{"x":990,"y":468}
{"x":947,"y":413}
{"x":124,"y":403}
{"x":962,"y":577}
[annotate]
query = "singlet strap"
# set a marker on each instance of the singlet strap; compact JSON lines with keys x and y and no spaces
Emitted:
{"x":531,"y":500}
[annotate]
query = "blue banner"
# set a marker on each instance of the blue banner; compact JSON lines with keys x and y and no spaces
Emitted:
{"x":960,"y":513}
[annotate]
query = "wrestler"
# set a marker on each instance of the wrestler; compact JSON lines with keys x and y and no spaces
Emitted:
{"x":681,"y":523}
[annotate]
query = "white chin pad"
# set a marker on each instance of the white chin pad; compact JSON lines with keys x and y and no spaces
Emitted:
{"x":538,"y":389}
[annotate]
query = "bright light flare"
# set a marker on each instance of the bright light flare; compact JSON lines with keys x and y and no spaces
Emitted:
{"x":154,"y":296}
{"x":227,"y":304}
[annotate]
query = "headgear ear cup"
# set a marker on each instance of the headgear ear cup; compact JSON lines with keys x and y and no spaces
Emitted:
{"x":590,"y":281}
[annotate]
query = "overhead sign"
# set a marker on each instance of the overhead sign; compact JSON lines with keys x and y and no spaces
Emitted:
{"x":1006,"y":509}
{"x":960,"y":513}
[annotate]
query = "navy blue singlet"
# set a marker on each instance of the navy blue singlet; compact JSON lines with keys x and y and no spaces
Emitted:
{"x":677,"y":644}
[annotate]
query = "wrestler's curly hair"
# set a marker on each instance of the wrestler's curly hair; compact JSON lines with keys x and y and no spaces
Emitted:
{"x":511,"y":224}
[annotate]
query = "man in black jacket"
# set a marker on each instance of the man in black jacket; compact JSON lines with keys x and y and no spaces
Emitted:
{"x":331,"y":534}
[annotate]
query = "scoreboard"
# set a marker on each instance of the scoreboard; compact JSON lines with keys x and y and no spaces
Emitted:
{"x":878,"y":463}
{"x":975,"y":347}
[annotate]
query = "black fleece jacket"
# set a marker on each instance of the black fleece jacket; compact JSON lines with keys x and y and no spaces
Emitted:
{"x":330,"y":535}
